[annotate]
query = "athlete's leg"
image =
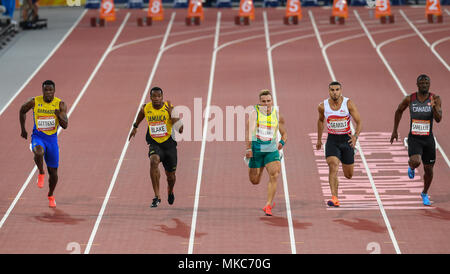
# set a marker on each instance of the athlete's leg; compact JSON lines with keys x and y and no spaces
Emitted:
{"x":255,"y":174}
{"x":39,"y":158}
{"x":427,"y":177}
{"x":333,"y":168}
{"x":414,"y":161}
{"x":154,"y":173}
{"x":171,"y":179}
{"x":53,"y":179}
{"x":273,"y":168}
{"x":348,"y":170}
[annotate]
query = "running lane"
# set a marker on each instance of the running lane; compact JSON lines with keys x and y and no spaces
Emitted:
{"x":302,"y":78}
{"x":89,"y":149}
{"x":377,"y":95}
{"x":129,"y":224}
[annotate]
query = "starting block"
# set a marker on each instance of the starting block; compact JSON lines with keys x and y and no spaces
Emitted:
{"x":148,"y":21}
{"x":195,"y":13}
{"x":433,"y":11}
{"x":431,"y":18}
{"x":339,"y":12}
{"x":97,"y":21}
{"x":293,"y":12}
{"x":338,"y":19}
{"x":246,"y":13}
{"x":387,"y":19}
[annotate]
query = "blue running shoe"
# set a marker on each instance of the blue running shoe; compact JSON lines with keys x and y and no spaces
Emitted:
{"x":425,"y":199}
{"x":411,"y":173}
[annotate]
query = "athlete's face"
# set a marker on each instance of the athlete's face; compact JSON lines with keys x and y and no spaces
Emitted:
{"x":266,"y":102}
{"x":48,"y":92}
{"x":157,"y":98}
{"x":335,"y":92}
{"x":423,"y":85}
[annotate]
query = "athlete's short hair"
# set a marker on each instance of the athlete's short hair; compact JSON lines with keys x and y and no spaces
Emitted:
{"x":156,"y":89}
{"x":265,"y":92}
{"x":422,"y":77}
{"x":48,"y":83}
{"x":334,"y":83}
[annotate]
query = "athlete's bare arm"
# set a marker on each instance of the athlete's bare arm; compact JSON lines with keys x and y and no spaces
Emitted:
{"x":249,"y":129}
{"x":62,"y":115}
{"x":436,"y":107}
{"x":139,"y":118}
{"x":282,"y":129}
{"x":398,"y":116}
{"x":357,"y":118}
{"x":321,"y":110}
{"x":23,"y":116}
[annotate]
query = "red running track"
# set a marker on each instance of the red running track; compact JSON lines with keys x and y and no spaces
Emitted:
{"x":229,"y":218}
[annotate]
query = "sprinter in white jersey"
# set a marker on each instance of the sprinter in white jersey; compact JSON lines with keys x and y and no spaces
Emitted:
{"x":338,"y":111}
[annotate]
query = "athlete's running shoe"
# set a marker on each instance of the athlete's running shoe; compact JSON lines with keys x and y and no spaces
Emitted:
{"x":411,"y":173}
{"x":333,"y":202}
{"x":40,"y":182}
{"x":425,"y":199}
{"x":171,"y":198}
{"x":268,"y":210}
{"x":155,"y":202}
{"x":51,"y":202}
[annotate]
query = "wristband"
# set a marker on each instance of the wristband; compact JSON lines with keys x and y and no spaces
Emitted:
{"x":134,"y":125}
{"x":282,"y":142}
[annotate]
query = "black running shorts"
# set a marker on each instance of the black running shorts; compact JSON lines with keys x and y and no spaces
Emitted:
{"x":167,"y":152}
{"x":338,"y":145}
{"x":423,"y":145}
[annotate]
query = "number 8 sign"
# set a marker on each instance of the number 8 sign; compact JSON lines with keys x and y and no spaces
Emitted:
{"x":155,"y":10}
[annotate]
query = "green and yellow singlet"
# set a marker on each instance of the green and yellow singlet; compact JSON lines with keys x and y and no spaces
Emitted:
{"x":264,"y":137}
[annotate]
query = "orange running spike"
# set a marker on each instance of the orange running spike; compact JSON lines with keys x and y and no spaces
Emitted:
{"x":51,"y":202}
{"x":155,"y":10}
{"x":40,"y":183}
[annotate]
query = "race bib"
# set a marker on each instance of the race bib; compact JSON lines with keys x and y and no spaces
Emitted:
{"x":265,"y":133}
{"x":420,"y":127}
{"x":339,"y":124}
{"x":46,"y":123}
{"x":158,"y":130}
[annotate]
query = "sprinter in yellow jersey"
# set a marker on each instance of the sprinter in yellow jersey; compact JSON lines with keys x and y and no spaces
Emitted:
{"x":49,"y":112}
{"x":161,"y":120}
{"x":262,"y":145}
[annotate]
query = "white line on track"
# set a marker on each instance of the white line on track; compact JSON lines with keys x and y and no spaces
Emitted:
{"x":283,"y":166}
{"x":386,"y":63}
{"x":363,"y":158}
{"x":425,"y":40}
{"x":80,"y":95}
{"x":125,"y":147}
{"x":205,"y":132}
{"x":44,"y":62}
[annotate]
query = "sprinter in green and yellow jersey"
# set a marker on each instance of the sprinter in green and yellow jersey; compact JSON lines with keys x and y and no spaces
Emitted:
{"x":263,"y":146}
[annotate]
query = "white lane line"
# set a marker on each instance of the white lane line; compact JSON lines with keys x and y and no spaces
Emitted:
{"x":44,"y":61}
{"x":369,"y":173}
{"x":283,"y":166}
{"x":125,"y":147}
{"x":80,"y":95}
{"x":205,"y":132}
{"x":391,"y":71}
{"x":425,"y":41}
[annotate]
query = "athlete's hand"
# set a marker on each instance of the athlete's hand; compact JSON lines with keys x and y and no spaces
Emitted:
{"x":394,"y":136}
{"x":352,"y":141}
{"x":433,"y":99}
{"x":249,"y":154}
{"x":133,"y":132}
{"x":169,"y":108}
{"x":319,"y":144}
{"x":24,"y":134}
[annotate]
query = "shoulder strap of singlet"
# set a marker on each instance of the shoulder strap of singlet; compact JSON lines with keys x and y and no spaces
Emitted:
{"x":413,"y":97}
